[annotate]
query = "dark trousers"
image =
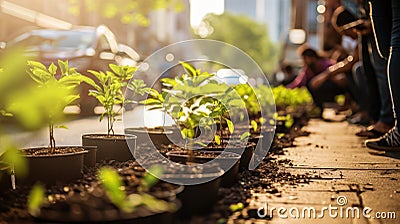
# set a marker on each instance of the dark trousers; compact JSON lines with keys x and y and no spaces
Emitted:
{"x":385,"y":15}
{"x":325,"y":93}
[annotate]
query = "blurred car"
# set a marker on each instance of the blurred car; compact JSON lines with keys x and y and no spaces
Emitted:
{"x":231,"y":76}
{"x":85,"y":48}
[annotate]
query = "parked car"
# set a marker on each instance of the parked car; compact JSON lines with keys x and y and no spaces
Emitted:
{"x":85,"y":48}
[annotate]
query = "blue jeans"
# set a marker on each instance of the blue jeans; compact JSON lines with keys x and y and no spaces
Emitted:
{"x":380,"y":66}
{"x":385,"y":15}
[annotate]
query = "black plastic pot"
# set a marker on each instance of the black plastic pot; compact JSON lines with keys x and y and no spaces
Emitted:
{"x":222,"y":159}
{"x":5,"y":181}
{"x":89,"y":159}
{"x":199,"y":198}
{"x":140,"y":216}
{"x":52,"y":169}
{"x":155,"y":136}
{"x":110,"y":148}
{"x":246,"y":153}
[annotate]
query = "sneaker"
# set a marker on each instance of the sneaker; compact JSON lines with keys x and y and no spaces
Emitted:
{"x":389,"y":142}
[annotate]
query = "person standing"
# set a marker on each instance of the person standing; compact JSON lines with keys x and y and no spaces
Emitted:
{"x":385,"y":16}
{"x":375,"y":69}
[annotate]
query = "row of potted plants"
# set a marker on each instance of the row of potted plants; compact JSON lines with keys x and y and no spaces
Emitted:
{"x":203,"y":109}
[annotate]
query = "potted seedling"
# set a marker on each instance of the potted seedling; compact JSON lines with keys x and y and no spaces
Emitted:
{"x":231,"y":141}
{"x":187,"y":99}
{"x":107,"y":200}
{"x":190,"y":100}
{"x":108,"y":89}
{"x":50,"y":96}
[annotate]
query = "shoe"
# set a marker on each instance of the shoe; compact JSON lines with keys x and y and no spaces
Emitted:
{"x":372,"y":133}
{"x":360,"y":121}
{"x":388,"y":142}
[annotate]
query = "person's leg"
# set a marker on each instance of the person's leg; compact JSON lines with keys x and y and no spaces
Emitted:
{"x":386,"y":116}
{"x":370,"y":85}
{"x":359,"y":88}
{"x":381,"y":17}
{"x":325,"y":93}
{"x":390,"y":141}
{"x":394,"y":60}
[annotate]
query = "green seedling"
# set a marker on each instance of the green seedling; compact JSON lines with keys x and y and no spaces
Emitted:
{"x":108,"y":90}
{"x":112,"y":184}
{"x":36,"y":198}
{"x":49,"y":97}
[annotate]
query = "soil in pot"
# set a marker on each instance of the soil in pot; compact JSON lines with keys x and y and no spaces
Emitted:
{"x":94,"y":206}
{"x":86,"y":201}
{"x":62,"y":165}
{"x":111,"y":147}
{"x":223,"y":160}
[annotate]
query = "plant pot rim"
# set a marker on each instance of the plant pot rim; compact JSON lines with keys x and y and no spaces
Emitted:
{"x":102,"y":135}
{"x":58,"y":154}
{"x":145,"y":130}
{"x":178,"y":154}
{"x":167,"y":176}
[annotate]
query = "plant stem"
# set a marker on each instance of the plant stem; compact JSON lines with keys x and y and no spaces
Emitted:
{"x":164,"y":117}
{"x":220,"y":130}
{"x":52,"y":140}
{"x":190,"y":151}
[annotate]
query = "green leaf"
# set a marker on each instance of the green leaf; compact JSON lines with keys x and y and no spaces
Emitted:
{"x":150,"y":178}
{"x":231,"y":127}
{"x":116,"y":69}
{"x":190,"y":69}
{"x":254,"y":125}
{"x":151,"y":101}
{"x":245,"y":135}
{"x":217,"y":139}
{"x":63,"y":67}
{"x":5,"y":113}
{"x":272,"y":122}
{"x":40,"y":76}
{"x":61,"y":126}
{"x":201,"y":144}
{"x":187,"y":133}
{"x":236,"y":207}
{"x":37,"y":65}
{"x":36,"y":198}
{"x":52,"y":69}
{"x":112,"y":184}
{"x":168,"y":82}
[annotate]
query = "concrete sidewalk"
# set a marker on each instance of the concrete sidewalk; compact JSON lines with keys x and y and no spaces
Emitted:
{"x":347,"y":178}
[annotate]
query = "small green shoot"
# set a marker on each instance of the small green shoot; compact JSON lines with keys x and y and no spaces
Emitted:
{"x":245,"y":135}
{"x":254,"y":125}
{"x":112,"y":184}
{"x":217,"y":139}
{"x":236,"y":207}
{"x":36,"y":198}
{"x":150,"y":178}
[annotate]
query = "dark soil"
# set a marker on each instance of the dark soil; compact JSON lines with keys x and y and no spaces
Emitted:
{"x":84,"y":199}
{"x":202,"y":154}
{"x":49,"y":151}
{"x":105,"y":136}
{"x":267,"y":178}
